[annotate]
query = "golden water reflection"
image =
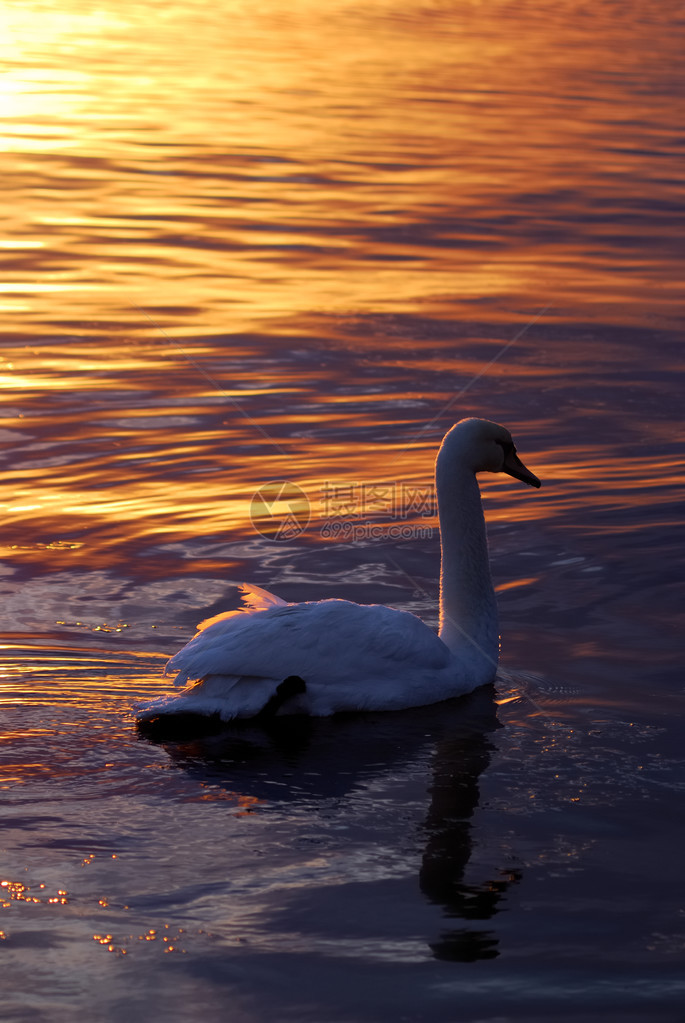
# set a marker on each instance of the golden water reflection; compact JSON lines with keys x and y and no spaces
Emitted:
{"x":139,"y":450}
{"x":193,"y":203}
{"x":247,"y":164}
{"x":249,"y":244}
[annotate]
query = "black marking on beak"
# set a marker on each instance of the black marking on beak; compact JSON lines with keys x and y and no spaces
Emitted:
{"x":513,"y":466}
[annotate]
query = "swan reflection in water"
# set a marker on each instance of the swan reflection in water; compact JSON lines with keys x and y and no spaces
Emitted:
{"x":315,"y":760}
{"x":459,"y":761}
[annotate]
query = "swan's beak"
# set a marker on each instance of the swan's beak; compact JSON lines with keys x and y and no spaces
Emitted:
{"x":513,"y":466}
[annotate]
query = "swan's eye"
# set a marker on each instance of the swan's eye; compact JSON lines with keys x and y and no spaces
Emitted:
{"x":508,"y":447}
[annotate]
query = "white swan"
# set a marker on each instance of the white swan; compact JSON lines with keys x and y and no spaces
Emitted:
{"x":321,"y":657}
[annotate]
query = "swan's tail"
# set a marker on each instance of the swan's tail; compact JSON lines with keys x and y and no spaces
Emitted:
{"x":206,"y":707}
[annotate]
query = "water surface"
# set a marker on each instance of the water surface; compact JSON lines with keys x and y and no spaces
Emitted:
{"x":297,"y":243}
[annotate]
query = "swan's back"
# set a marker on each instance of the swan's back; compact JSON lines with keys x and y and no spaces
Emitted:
{"x":326,"y":640}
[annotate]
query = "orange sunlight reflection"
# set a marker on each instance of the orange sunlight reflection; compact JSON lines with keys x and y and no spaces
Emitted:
{"x":156,"y":189}
{"x":271,"y":243}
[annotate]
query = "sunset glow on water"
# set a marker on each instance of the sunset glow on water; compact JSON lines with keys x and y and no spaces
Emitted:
{"x":255,"y":261}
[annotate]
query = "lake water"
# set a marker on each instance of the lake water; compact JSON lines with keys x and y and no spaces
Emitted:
{"x":296,"y":242}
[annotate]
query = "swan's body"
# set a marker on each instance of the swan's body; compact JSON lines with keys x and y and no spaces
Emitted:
{"x":339,"y":656}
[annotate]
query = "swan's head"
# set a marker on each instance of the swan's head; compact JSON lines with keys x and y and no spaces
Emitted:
{"x":484,"y":447}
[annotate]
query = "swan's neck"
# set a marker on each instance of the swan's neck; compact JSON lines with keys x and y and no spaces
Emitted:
{"x":468,"y":610}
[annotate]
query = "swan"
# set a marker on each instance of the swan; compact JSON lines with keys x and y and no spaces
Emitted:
{"x":271,"y":657}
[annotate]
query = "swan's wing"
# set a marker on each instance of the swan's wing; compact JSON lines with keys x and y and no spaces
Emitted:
{"x":254,"y":598}
{"x":327,"y":641}
{"x":383,"y":633}
{"x":257,"y":599}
